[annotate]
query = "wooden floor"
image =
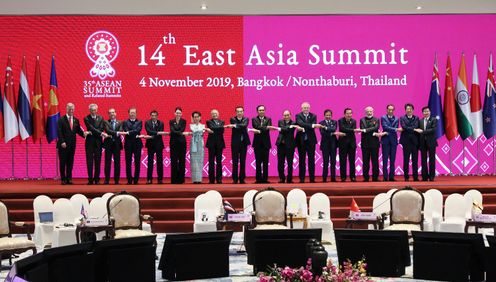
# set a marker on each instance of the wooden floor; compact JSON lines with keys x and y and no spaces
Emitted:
{"x":172,"y":205}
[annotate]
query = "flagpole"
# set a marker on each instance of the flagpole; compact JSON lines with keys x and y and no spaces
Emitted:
{"x":41,"y":162}
{"x":27,"y":161}
{"x":450,"y":162}
{"x":463,"y":163}
{"x":478,"y":160}
{"x":12,"y":150}
{"x":57,"y":164}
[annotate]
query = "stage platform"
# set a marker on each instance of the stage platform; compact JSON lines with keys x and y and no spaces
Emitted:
{"x":172,"y":205}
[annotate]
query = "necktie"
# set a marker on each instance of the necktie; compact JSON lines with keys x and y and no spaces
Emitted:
{"x":425,"y":123}
{"x":242,"y":138}
{"x":113,"y":125}
{"x":154,"y":125}
{"x":70,"y":122}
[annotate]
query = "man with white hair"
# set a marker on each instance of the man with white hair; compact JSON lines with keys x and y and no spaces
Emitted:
{"x":215,"y":145}
{"x":306,"y":141}
{"x":67,"y":128}
{"x":369,"y":126}
{"x":93,"y":144}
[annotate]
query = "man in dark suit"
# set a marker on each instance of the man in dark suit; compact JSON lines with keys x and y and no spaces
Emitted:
{"x":113,"y":146}
{"x":389,"y":142}
{"x":239,"y":144}
{"x":409,"y":140}
{"x":428,"y":144}
{"x":306,"y":141}
{"x":286,"y":146}
{"x":132,"y":146}
{"x":67,"y":128}
{"x":370,"y":144}
{"x":347,"y":144}
{"x":177,"y":145}
{"x":215,"y":145}
{"x":93,"y":144}
{"x":155,"y":146}
{"x":262,"y":144}
{"x":329,"y":144}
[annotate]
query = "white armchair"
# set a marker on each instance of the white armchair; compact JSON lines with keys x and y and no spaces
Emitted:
{"x":269,"y":210}
{"x":43,"y":231}
{"x":407,"y":206}
{"x":125,"y":216}
{"x":206,"y":213}
{"x":454,"y":214}
{"x":437,"y":207}
{"x":248,"y":201}
{"x":64,"y":230}
{"x":320,"y":216}
{"x":298,"y":207}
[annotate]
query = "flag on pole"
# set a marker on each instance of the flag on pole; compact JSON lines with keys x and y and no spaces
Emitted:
{"x":435,"y":100}
{"x":489,"y":112}
{"x":1,"y":114}
{"x":24,"y":104}
{"x":53,"y":114}
{"x":463,"y":102}
{"x":475,"y":103}
{"x":450,"y":125}
{"x":353,"y":208}
{"x":38,"y":109}
{"x":11,"y":128}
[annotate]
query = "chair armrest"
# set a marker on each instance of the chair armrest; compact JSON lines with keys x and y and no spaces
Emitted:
{"x":148,"y":218}
{"x":24,"y":226}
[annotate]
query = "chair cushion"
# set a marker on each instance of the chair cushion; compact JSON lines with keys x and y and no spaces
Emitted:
{"x":126,"y":233}
{"x":407,"y":227}
{"x":270,"y":226}
{"x":7,"y":243}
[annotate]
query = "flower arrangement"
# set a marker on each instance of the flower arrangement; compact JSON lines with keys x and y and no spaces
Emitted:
{"x":348,"y":272}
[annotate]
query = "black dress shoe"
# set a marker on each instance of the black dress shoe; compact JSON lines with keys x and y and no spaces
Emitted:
{"x":211,"y":182}
{"x":431,"y":179}
{"x":353,"y":179}
{"x":116,"y":183}
{"x":160,"y":182}
{"x":392,"y":179}
{"x":312,"y":181}
{"x":148,"y":182}
{"x":70,"y":182}
{"x":281,"y":181}
{"x":106,"y":182}
{"x":258,"y":182}
{"x":302,"y":181}
{"x":63,"y":182}
{"x":235,"y":181}
{"x":324,"y":180}
{"x":416,"y":179}
{"x":343,"y":179}
{"x":219,"y":181}
{"x":135,"y":182}
{"x":97,"y":182}
{"x":333,"y":179}
{"x":242,"y":182}
{"x":364,"y":180}
{"x":90,"y":182}
{"x":290,"y":181}
{"x":385,"y":179}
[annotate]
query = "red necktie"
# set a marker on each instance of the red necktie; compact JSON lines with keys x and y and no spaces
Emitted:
{"x":70,"y":122}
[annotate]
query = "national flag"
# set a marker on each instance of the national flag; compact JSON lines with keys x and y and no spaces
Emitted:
{"x":463,"y":102}
{"x":24,"y":104}
{"x":83,"y":212}
{"x":53,"y":114}
{"x":354,"y":206}
{"x":450,"y":125}
{"x":38,"y":105}
{"x":435,"y":100}
{"x":475,"y":103}
{"x":489,"y":112}
{"x":1,"y":115}
{"x":11,"y":128}
{"x":228,"y":208}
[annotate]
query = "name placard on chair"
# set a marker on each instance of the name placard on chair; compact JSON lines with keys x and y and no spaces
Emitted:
{"x":486,"y":218}
{"x":239,"y":217}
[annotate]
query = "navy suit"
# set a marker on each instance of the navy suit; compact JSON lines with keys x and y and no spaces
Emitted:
{"x":93,"y":147}
{"x":215,"y":145}
{"x":409,"y":140}
{"x":155,"y":146}
{"x":113,"y":147}
{"x":329,"y":145}
{"x":285,"y":149}
{"x":306,"y":142}
{"x":427,"y":145}
{"x":239,"y":143}
{"x":389,"y":145}
{"x":132,"y":147}
{"x":261,"y":146}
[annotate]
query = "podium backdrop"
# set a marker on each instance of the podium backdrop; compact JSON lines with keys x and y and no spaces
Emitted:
{"x":201,"y":63}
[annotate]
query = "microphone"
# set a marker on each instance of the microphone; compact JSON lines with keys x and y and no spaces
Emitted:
{"x":384,"y":214}
{"x":112,"y":208}
{"x":253,"y":203}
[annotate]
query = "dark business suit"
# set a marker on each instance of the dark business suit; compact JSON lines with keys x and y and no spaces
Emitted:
{"x":285,"y":149}
{"x":261,"y":146}
{"x":177,"y":150}
{"x":155,"y":146}
{"x":306,"y":142}
{"x":215,"y":145}
{"x":328,"y":146}
{"x":347,"y":147}
{"x":239,"y":144}
{"x":409,"y":140}
{"x":93,"y":146}
{"x":427,"y":145}
{"x":67,"y":135}
{"x":132,"y":147}
{"x":113,"y":147}
{"x":389,"y":145}
{"x":370,"y":147}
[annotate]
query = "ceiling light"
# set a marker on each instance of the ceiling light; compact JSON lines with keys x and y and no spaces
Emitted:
{"x":419,"y":7}
{"x":204,"y":6}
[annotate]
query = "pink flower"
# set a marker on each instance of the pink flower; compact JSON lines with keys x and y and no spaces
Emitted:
{"x":287,"y":273}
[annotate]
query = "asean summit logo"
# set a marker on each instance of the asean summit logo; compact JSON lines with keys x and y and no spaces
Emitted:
{"x":102,"y":48}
